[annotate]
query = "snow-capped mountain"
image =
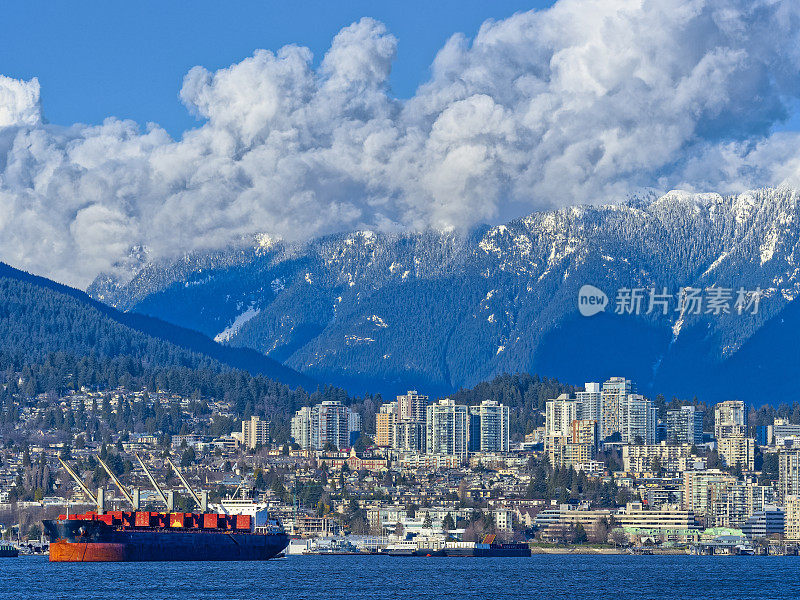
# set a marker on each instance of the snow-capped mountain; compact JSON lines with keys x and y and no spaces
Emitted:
{"x":443,"y":310}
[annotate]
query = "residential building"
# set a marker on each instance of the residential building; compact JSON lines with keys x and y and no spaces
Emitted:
{"x":614,"y":391}
{"x":578,"y":447}
{"x":431,"y":462}
{"x":788,"y":473}
{"x":559,"y":415}
{"x":301,"y":428}
{"x":730,"y":419}
{"x":409,"y":436}
{"x":722,"y":499}
{"x":412,"y":406}
{"x":493,"y":426}
{"x":403,"y":426}
{"x":735,"y":451}
{"x":474,"y":443}
{"x":640,"y":458}
{"x":564,"y":453}
{"x":447,"y":428}
{"x":255,"y":432}
{"x":330,"y":425}
{"x":585,"y":431}
{"x":327,"y":424}
{"x":727,"y":504}
{"x":590,"y":403}
{"x":630,"y":415}
{"x":696,"y":486}
{"x":186,"y":440}
{"x":760,"y":497}
{"x":353,"y":427}
{"x":792,"y":517}
{"x":385,"y":421}
{"x":685,"y":425}
{"x":637,"y":420}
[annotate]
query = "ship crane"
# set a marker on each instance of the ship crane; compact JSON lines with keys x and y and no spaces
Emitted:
{"x":133,"y":500}
{"x":167,"y":502}
{"x":83,"y":487}
{"x":202,"y":504}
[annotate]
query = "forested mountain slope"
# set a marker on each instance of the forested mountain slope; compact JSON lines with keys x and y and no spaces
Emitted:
{"x":39,"y":317}
{"x":443,"y":310}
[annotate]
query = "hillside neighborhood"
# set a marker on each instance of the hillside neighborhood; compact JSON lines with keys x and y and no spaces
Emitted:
{"x":602,"y":468}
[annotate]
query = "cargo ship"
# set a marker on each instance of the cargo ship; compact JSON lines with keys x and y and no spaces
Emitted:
{"x":121,"y":536}
{"x":137,"y":535}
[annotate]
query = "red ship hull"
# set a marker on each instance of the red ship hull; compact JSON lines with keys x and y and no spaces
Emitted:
{"x":166,"y":537}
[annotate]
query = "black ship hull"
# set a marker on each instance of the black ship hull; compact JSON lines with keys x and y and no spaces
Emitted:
{"x":495,"y":550}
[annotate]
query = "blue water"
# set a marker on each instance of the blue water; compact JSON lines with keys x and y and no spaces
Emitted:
{"x":375,"y":577}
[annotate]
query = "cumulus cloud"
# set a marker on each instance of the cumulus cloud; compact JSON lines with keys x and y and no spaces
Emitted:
{"x":19,"y":102}
{"x":585,"y":102}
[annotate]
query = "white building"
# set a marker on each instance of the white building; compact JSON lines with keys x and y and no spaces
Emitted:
{"x":737,"y":451}
{"x":255,"y":432}
{"x":640,"y":458}
{"x":615,"y":391}
{"x":412,"y":406}
{"x":328,"y":423}
{"x":447,"y":428}
{"x":301,"y":427}
{"x":637,"y":420}
{"x":789,"y":472}
{"x":559,"y":415}
{"x":685,"y":425}
{"x":590,"y":403}
{"x":730,"y":419}
{"x":493,"y":426}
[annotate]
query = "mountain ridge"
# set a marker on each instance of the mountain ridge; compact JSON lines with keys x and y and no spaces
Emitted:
{"x":449,"y":310}
{"x":191,"y":342}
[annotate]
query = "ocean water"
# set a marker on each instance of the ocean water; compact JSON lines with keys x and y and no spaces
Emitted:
{"x":376,"y":577}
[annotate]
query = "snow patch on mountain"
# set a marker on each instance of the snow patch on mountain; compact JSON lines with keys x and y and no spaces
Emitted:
{"x":229,"y":332}
{"x":377,"y":321}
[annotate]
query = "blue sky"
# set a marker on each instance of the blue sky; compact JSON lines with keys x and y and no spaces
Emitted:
{"x":581,"y":102}
{"x":98,"y":59}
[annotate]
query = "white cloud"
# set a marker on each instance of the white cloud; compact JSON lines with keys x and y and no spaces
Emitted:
{"x":588,"y":101}
{"x":19,"y":102}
